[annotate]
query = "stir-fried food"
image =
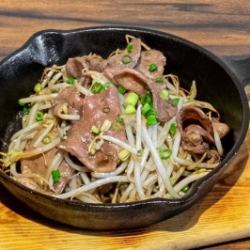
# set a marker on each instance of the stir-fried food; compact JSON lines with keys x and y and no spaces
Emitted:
{"x":114,"y":130}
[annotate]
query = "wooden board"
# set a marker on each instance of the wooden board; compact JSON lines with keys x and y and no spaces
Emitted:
{"x":224,"y":214}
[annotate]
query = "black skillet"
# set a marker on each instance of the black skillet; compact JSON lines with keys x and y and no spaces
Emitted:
{"x":218,"y":83}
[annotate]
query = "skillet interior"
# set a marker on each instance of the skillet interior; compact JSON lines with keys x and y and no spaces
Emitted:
{"x":215,"y":83}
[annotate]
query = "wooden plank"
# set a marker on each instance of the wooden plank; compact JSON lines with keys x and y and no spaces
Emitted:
{"x":224,"y":214}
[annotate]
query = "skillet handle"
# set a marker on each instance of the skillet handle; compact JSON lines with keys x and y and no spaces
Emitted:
{"x":241,"y":68}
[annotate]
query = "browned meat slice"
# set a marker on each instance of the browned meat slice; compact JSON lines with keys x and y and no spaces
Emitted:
{"x":131,"y":80}
{"x":74,"y":66}
{"x":212,"y":156}
{"x":117,"y":62}
{"x":195,"y":128}
{"x":71,"y":97}
{"x":195,"y":139}
{"x":134,"y":81}
{"x":165,"y":110}
{"x":96,"y":109}
{"x":39,"y":166}
{"x":148,"y":58}
{"x":221,"y":128}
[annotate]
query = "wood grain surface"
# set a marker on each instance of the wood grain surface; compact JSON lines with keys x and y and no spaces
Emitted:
{"x":223,"y":215}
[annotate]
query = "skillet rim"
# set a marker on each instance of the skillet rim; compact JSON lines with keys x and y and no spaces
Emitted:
{"x":199,"y":185}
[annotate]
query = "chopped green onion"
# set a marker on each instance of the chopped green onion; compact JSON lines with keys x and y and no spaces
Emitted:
{"x":173,"y":129}
{"x":146,"y":108}
{"x":159,"y":79}
{"x":46,"y":140}
{"x":107,"y":85}
{"x":117,"y":125}
{"x":39,"y":116}
{"x":37,"y":87}
{"x":139,"y":153}
{"x":126,"y":59}
{"x":121,"y":90}
{"x":146,"y":99}
{"x":185,"y":189}
{"x":165,"y":153}
{"x":129,"y":48}
{"x":164,"y":94}
{"x":130,"y":109}
{"x":26,"y":110}
{"x":151,"y":120}
{"x":20,"y":102}
{"x":131,"y":99}
{"x":97,"y":88}
{"x":119,"y":119}
{"x":56,"y":175}
{"x":175,"y":101}
{"x":95,"y":130}
{"x":152,"y":67}
{"x":71,"y":80}
{"x":199,"y":171}
{"x":124,"y":154}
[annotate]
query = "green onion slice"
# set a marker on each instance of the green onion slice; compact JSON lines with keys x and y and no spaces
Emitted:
{"x":164,"y":94}
{"x":56,"y":175}
{"x":97,"y":88}
{"x":121,"y":90}
{"x":39,"y":116}
{"x":151,"y":120}
{"x":126,"y":59}
{"x":152,"y":67}
{"x":173,"y":129}
{"x":71,"y":80}
{"x":175,"y":101}
{"x":165,"y":153}
{"x":129,"y":48}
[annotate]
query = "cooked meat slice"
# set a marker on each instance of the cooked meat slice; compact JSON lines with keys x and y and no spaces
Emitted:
{"x":74,"y":66}
{"x":212,"y":156}
{"x":117,"y":62}
{"x":195,"y":128}
{"x":70,"y":97}
{"x":96,"y":109}
{"x":148,"y":58}
{"x":165,"y":110}
{"x":131,"y":80}
{"x":134,"y":81}
{"x":39,"y":166}
{"x":194,"y":139}
{"x":221,"y":128}
{"x":66,"y":172}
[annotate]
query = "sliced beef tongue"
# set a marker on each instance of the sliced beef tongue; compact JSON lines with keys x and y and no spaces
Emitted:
{"x":148,"y":58}
{"x":165,"y":110}
{"x":75,"y":66}
{"x":70,"y":97}
{"x":196,"y":129}
{"x":131,"y":80}
{"x":117,"y":62}
{"x":96,"y":109}
{"x":39,"y":166}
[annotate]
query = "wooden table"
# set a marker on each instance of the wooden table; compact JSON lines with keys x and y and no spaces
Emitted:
{"x":220,"y":26}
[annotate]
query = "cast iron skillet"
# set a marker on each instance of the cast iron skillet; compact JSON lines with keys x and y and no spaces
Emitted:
{"x":217,"y":83}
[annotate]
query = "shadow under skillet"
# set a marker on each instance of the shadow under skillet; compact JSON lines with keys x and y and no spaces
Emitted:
{"x":181,"y":222}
